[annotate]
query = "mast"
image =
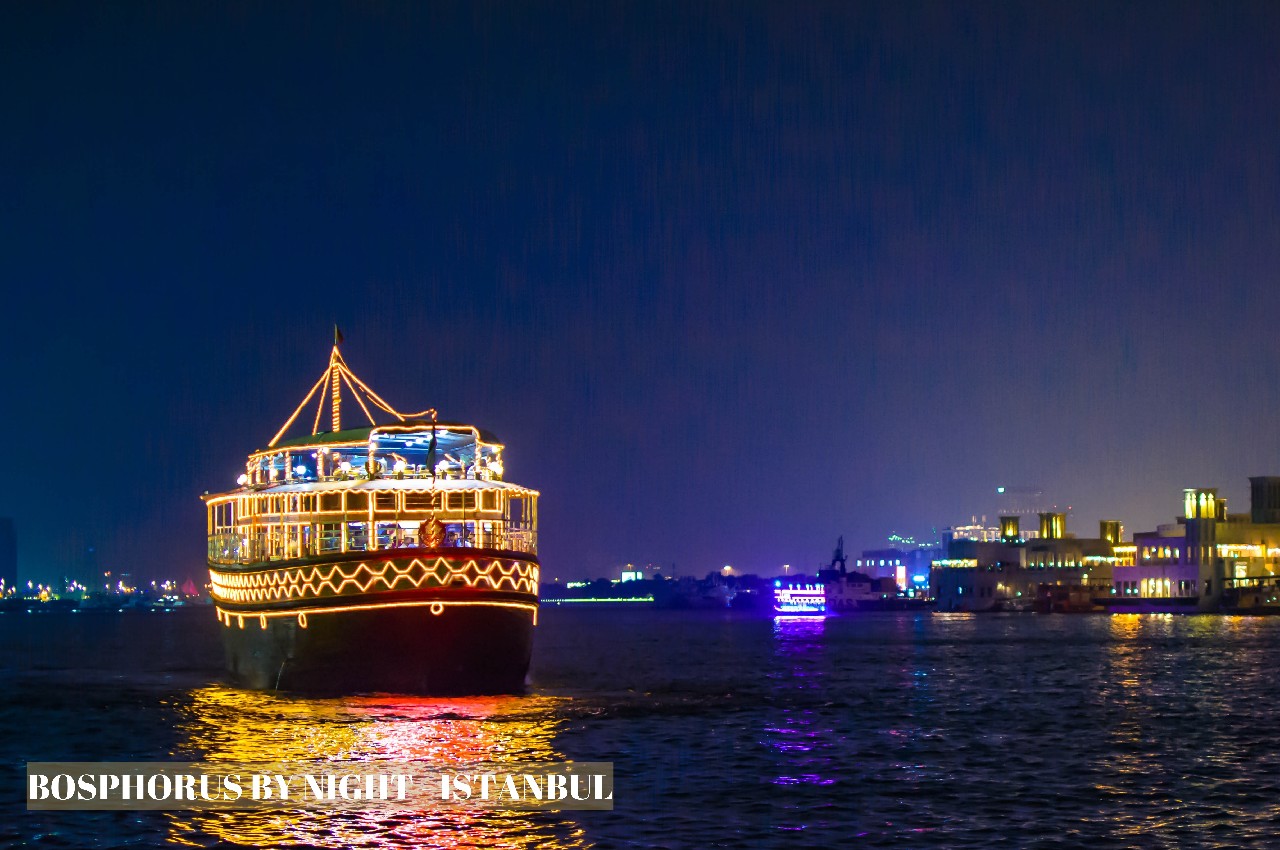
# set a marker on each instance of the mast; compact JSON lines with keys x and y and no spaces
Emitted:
{"x":334,"y":375}
{"x":336,"y":392}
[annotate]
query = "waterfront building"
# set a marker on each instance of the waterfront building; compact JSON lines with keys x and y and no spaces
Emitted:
{"x":884,"y":563}
{"x":1208,"y":558}
{"x":1015,"y":571}
{"x":976,"y":529}
{"x":907,"y":568}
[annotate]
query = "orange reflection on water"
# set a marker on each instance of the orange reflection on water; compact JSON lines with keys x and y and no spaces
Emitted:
{"x":227,"y":725}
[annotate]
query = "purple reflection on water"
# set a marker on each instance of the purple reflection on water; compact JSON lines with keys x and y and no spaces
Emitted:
{"x":803,"y":740}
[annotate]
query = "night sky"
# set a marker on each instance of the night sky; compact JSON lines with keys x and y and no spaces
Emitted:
{"x":729,"y":280}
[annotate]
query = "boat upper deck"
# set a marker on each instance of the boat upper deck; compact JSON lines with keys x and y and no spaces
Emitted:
{"x":415,"y":482}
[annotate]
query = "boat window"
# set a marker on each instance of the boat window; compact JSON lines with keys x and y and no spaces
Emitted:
{"x":491,"y":500}
{"x":386,"y":501}
{"x":462,"y":501}
{"x":331,"y":502}
{"x":357,"y":502}
{"x":420,"y":501}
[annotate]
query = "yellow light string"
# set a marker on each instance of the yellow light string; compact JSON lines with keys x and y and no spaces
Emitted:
{"x":382,"y":403}
{"x":280,"y":433}
{"x":337,"y":372}
{"x":313,"y":581}
{"x":373,"y":396}
{"x":336,"y":393}
{"x":435,"y":606}
{"x":359,"y":400}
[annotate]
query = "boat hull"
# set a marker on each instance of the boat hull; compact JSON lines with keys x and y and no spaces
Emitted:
{"x":466,"y":650}
{"x":421,"y":622}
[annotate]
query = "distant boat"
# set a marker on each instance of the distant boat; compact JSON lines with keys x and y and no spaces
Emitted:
{"x":797,"y":599}
{"x":392,"y":558}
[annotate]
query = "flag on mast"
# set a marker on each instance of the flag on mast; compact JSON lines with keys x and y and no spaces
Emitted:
{"x":337,"y":335}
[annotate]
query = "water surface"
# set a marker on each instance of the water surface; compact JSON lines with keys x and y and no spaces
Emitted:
{"x":725,"y":729}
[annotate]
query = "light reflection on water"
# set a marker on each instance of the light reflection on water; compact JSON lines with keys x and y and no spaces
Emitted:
{"x":224,"y":724}
{"x":725,"y":729}
{"x":802,"y":738}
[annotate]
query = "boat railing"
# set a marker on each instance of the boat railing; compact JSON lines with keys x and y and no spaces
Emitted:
{"x":360,"y":474}
{"x":271,"y":545}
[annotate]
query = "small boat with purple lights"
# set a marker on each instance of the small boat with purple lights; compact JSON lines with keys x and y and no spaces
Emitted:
{"x":799,"y":599}
{"x":393,"y":558}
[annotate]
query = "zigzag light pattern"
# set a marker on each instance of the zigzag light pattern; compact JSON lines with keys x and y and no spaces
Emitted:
{"x":320,"y":581}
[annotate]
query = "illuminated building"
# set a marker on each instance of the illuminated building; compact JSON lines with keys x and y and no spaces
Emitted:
{"x":977,"y":529}
{"x":902,"y":566}
{"x":1208,"y":559}
{"x":1012,"y":572}
{"x":384,"y":557}
{"x":884,"y":563}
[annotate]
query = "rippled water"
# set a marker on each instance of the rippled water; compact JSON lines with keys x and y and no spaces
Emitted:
{"x":725,"y":729}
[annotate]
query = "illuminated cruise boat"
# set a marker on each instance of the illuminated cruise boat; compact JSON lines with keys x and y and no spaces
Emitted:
{"x":388,"y":557}
{"x":792,"y":599}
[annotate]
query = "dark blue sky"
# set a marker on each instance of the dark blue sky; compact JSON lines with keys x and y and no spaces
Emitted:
{"x":730,"y":280}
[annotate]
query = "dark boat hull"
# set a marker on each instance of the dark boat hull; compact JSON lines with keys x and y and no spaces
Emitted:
{"x":422,"y":622}
{"x":471,"y":650}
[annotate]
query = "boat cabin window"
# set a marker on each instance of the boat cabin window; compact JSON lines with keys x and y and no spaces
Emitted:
{"x":421,"y":502}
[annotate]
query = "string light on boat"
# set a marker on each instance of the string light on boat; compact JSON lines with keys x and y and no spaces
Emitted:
{"x":335,"y":375}
{"x":434,"y":606}
{"x":808,"y":599}
{"x":324,"y":580}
